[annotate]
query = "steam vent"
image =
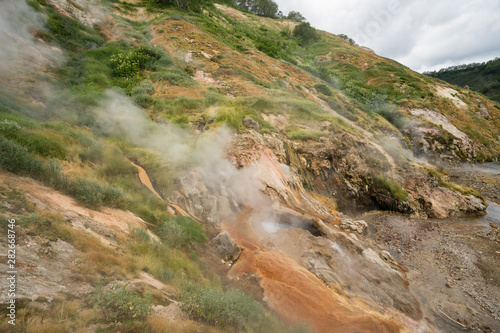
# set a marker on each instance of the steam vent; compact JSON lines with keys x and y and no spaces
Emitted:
{"x":226,"y":166}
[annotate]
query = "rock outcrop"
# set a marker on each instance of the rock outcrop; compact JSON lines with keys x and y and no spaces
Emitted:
{"x":225,"y":247}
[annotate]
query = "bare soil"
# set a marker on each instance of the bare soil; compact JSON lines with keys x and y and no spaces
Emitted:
{"x":453,"y":267}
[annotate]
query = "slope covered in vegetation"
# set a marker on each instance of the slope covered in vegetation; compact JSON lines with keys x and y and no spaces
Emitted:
{"x":225,"y":111}
{"x":484,"y":77}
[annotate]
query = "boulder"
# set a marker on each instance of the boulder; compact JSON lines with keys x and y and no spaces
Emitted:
{"x":358,"y":226}
{"x":225,"y":247}
{"x":249,"y":122}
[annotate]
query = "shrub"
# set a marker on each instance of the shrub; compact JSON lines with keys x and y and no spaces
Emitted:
{"x":231,"y":309}
{"x":17,"y":159}
{"x":94,"y":194}
{"x":115,"y":164}
{"x":142,"y":100}
{"x":180,"y":231}
{"x":323,"y":88}
{"x":306,"y":33}
{"x":120,"y":304}
{"x":9,"y":127}
{"x":296,"y":16}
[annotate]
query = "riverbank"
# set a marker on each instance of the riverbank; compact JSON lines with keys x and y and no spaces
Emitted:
{"x":454,"y":263}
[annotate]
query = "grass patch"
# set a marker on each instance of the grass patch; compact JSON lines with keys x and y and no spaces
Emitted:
{"x":463,"y":190}
{"x":174,"y":76}
{"x":455,"y":187}
{"x":231,"y":309}
{"x":167,"y":264}
{"x":120,"y":304}
{"x":181,"y":231}
{"x":16,"y":159}
{"x":323,"y":88}
{"x":392,"y":186}
{"x":296,"y":133}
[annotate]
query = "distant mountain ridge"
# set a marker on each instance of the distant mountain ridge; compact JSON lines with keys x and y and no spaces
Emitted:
{"x":482,"y":77}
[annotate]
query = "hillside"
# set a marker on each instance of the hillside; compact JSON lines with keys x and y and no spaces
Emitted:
{"x":484,"y":77}
{"x":190,"y":170}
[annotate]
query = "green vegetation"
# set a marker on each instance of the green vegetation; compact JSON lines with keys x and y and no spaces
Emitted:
{"x":266,"y":8}
{"x":482,"y":77}
{"x":181,"y":231}
{"x":60,"y":144}
{"x":455,"y":187}
{"x":231,"y":309}
{"x":295,"y":16}
{"x":120,"y":304}
{"x":296,"y":133}
{"x":163,"y":260}
{"x":306,"y":33}
{"x":392,"y":186}
{"x":323,"y":88}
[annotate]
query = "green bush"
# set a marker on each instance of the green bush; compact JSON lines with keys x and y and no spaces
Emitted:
{"x":323,"y":88}
{"x":142,"y":100}
{"x":231,"y":309}
{"x":120,"y":304}
{"x":181,"y":231}
{"x":70,"y":33}
{"x":95,"y":194}
{"x":17,"y":159}
{"x":9,"y":127}
{"x":306,"y":33}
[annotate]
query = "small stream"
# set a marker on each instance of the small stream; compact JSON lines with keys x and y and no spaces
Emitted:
{"x":493,"y":216}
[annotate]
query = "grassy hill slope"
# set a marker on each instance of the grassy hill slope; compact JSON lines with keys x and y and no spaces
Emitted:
{"x":99,"y":85}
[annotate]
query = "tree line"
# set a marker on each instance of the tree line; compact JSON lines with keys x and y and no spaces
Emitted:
{"x":266,"y":8}
{"x":482,"y":77}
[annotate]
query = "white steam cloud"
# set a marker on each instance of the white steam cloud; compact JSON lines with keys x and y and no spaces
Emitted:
{"x":207,"y":177}
{"x":18,"y":22}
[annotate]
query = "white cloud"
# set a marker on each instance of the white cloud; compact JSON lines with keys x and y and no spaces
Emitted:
{"x":421,"y":34}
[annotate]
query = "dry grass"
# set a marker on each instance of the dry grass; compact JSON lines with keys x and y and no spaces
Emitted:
{"x":162,"y":325}
{"x":64,"y":316}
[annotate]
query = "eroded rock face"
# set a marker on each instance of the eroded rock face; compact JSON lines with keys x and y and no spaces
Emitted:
{"x":352,"y":264}
{"x":342,"y":172}
{"x":203,"y":198}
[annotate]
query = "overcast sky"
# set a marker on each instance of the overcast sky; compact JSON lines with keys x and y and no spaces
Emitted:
{"x":421,"y":34}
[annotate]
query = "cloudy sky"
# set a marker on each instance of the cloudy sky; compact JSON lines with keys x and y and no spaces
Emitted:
{"x":421,"y":34}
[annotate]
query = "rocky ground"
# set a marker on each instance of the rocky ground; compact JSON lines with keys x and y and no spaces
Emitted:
{"x":454,"y":263}
{"x":484,"y":179}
